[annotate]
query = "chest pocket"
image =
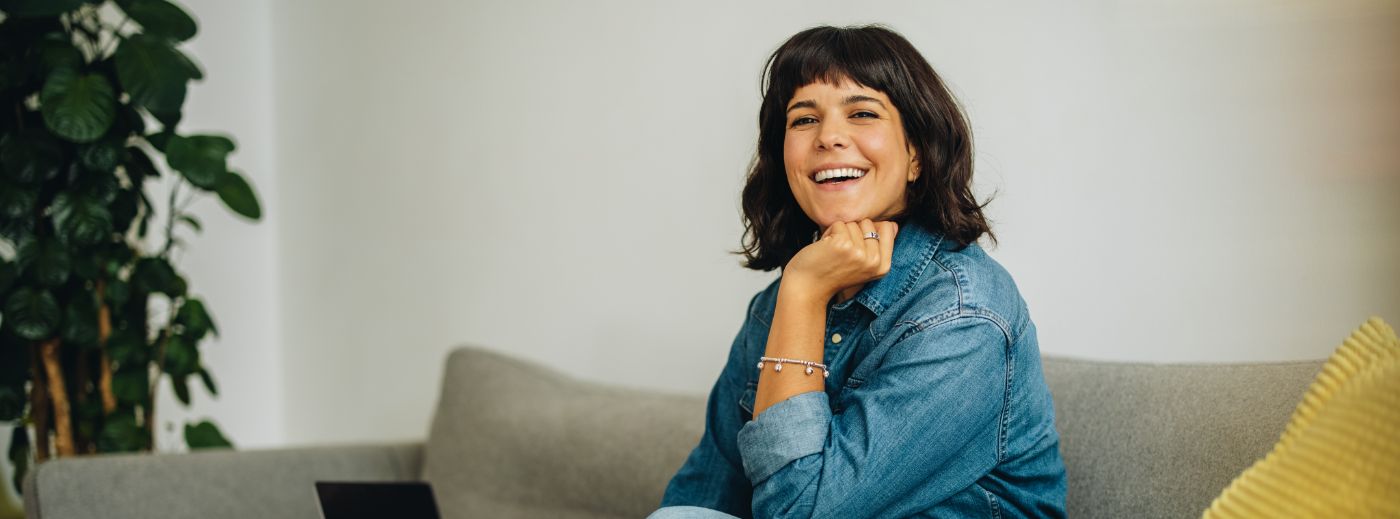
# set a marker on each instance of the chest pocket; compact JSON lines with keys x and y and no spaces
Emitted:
{"x":746,"y":401}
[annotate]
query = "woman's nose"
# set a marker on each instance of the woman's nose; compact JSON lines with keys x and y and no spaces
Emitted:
{"x":832,"y":136}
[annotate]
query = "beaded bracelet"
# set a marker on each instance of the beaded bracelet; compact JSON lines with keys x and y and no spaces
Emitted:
{"x":778,"y":364}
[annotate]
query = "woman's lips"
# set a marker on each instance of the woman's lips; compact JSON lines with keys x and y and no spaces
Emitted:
{"x":840,"y":186}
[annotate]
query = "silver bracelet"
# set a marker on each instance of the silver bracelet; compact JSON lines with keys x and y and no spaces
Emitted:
{"x":778,"y":364}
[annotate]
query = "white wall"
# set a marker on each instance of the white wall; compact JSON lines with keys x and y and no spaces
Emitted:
{"x":1178,"y":181}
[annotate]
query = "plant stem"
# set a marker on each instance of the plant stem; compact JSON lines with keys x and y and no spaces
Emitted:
{"x":63,"y":417}
{"x":170,"y":222}
{"x":39,"y":406}
{"x":189,"y":199}
{"x":104,"y":331}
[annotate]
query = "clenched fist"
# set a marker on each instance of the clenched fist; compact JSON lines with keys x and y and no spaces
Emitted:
{"x":843,"y":258}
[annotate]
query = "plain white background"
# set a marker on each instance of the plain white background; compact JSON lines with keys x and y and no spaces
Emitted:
{"x":1175,"y":182}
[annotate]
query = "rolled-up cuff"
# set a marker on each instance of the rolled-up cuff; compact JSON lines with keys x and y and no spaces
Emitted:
{"x":786,"y":431}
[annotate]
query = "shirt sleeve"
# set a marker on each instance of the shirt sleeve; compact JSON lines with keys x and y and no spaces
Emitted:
{"x":712,"y":476}
{"x":925,"y":426}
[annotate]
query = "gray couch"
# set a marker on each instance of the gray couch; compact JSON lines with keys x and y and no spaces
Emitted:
{"x":515,"y":439}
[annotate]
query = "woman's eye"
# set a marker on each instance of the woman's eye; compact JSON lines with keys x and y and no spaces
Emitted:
{"x":803,"y":120}
{"x":870,"y":114}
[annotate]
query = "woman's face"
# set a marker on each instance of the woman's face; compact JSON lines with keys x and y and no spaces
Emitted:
{"x":840,"y":131}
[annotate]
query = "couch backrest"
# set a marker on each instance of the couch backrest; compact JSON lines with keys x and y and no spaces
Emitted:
{"x":1152,"y":440}
{"x":514,"y":439}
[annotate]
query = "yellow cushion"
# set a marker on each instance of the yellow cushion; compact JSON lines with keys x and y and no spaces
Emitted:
{"x":1339,"y":456}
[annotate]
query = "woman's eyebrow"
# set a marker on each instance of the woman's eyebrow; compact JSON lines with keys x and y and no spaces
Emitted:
{"x":850,"y":100}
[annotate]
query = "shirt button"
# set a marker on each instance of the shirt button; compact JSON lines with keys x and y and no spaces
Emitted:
{"x":836,"y":338}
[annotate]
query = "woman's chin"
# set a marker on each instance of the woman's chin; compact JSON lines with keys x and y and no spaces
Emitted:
{"x":830,"y":219}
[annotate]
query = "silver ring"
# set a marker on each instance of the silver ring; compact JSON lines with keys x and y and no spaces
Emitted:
{"x":872,"y":235}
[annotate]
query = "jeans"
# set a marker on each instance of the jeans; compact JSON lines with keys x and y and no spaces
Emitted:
{"x":688,"y":512}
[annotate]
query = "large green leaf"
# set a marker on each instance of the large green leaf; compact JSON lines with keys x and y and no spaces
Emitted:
{"x":191,"y":68}
{"x":77,"y":107}
{"x":121,"y":434}
{"x":30,"y":156}
{"x":162,"y":18}
{"x":16,"y":201}
{"x":47,"y":261}
{"x":194,"y":320}
{"x":201,"y":158}
{"x":32,"y":313}
{"x":55,"y":50}
{"x":127,"y":348}
{"x":208,"y":381}
{"x":154,"y":74}
{"x":181,"y":389}
{"x":205,"y":435}
{"x":16,"y":229}
{"x":34,"y":8}
{"x":104,"y":155}
{"x":156,"y":275}
{"x":181,"y":356}
{"x":238,"y":195}
{"x":80,"y":322}
{"x":81,"y":220}
{"x":131,"y":384}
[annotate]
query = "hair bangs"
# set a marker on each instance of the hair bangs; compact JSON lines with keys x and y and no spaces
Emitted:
{"x":831,"y":56}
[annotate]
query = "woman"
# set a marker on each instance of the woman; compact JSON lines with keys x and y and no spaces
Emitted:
{"x":892,"y":370}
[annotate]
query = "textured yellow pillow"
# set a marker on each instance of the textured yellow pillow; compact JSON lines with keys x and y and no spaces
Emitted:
{"x":1340,"y":453}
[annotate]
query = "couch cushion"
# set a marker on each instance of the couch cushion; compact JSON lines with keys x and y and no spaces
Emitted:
{"x":1145,"y":440}
{"x":512,"y":439}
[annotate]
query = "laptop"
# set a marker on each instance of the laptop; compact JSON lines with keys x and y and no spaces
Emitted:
{"x":364,"y":500}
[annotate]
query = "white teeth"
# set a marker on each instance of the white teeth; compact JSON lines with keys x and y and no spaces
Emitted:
{"x":840,"y":172}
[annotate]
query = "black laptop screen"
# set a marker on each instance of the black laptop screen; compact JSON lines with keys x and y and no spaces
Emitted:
{"x":363,"y":500}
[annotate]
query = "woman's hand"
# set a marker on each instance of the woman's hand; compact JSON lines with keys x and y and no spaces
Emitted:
{"x":842,"y":258}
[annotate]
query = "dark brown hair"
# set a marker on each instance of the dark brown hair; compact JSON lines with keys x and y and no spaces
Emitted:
{"x":775,"y":227}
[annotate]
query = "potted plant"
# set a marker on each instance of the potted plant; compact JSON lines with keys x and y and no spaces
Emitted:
{"x":93,"y":318}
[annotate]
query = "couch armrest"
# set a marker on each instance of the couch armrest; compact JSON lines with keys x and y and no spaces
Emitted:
{"x":214,"y":484}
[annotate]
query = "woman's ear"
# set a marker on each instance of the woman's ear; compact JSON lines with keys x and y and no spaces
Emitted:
{"x":913,"y":167}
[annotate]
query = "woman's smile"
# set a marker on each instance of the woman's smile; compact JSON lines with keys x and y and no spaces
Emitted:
{"x":838,"y":178}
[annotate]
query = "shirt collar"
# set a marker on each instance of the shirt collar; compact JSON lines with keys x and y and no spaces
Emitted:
{"x":913,"y":249}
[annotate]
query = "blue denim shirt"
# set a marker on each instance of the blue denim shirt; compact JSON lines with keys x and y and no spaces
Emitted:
{"x":935,"y":407}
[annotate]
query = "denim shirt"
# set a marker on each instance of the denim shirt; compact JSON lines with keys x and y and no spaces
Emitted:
{"x":935,"y":407}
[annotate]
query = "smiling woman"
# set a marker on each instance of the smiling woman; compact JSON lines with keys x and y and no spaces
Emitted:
{"x":915,"y":384}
